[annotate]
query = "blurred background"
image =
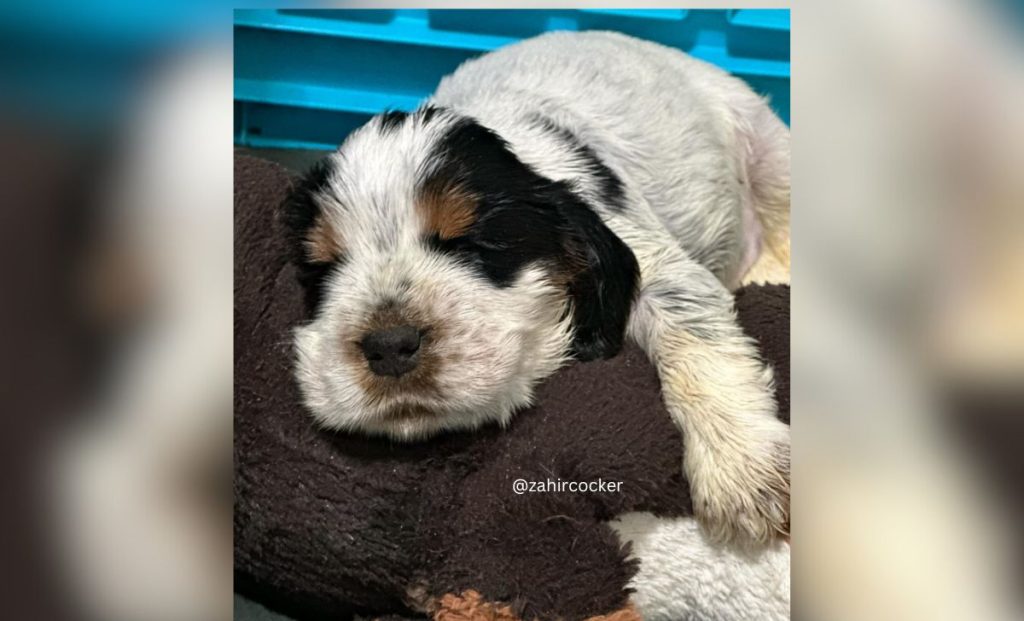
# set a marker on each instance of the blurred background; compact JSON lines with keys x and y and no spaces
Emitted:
{"x":306,"y":78}
{"x":118,"y":124}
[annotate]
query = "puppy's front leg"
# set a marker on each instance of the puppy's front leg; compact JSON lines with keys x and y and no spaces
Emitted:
{"x":719,"y":393}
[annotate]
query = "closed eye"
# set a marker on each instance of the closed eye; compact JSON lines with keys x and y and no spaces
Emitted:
{"x":494,"y":245}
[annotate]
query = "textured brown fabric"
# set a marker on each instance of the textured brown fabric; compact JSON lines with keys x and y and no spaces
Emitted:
{"x":328,"y":525}
{"x":764,"y":314}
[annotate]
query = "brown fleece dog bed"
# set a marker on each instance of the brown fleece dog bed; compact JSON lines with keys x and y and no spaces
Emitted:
{"x":330,"y":525}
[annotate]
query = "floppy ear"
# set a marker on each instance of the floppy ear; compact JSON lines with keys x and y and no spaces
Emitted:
{"x":603,"y":275}
{"x":316,"y":247}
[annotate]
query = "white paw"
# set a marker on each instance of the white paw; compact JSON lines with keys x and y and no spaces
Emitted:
{"x":739,"y":482}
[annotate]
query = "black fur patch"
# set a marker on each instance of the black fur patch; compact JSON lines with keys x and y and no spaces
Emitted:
{"x":608,"y":182}
{"x":427,"y":113}
{"x":523,"y":218}
{"x":604,"y":289}
{"x":392,"y":120}
{"x":516,"y":223}
{"x":298,"y":215}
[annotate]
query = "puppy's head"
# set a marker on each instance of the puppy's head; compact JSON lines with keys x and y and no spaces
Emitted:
{"x":445,"y":278}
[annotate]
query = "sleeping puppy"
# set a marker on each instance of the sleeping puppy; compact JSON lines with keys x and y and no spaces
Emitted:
{"x":552,"y":198}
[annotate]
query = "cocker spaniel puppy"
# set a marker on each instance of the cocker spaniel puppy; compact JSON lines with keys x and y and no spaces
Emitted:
{"x":552,"y":198}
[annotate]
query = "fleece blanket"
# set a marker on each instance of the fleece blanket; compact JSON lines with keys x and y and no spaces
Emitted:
{"x":337,"y":526}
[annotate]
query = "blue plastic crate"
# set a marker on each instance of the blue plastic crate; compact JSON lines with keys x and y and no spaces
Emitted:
{"x":306,"y":78}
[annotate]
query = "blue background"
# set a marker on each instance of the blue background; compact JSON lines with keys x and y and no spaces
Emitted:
{"x":306,"y":78}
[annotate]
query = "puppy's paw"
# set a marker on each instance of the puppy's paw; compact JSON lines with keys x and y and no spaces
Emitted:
{"x":740,"y":484}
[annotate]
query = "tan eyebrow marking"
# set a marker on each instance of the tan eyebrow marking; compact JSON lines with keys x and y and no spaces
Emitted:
{"x":448,"y":209}
{"x":324,"y":243}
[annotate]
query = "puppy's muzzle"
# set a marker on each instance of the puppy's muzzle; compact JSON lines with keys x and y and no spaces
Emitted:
{"x":392,"y":351}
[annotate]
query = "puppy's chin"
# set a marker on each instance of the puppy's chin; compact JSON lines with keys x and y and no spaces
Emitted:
{"x":336,"y":403}
{"x":416,"y":424}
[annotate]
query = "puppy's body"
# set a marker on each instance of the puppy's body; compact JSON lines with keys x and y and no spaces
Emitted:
{"x":685,"y":139}
{"x":555,"y":196}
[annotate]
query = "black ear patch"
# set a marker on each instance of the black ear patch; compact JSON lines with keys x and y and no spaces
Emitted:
{"x":603,"y":280}
{"x":316,"y":247}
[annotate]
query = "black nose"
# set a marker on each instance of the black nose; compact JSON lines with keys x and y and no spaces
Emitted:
{"x":392,"y":351}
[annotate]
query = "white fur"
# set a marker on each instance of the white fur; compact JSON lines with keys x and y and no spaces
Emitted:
{"x":683,"y":576}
